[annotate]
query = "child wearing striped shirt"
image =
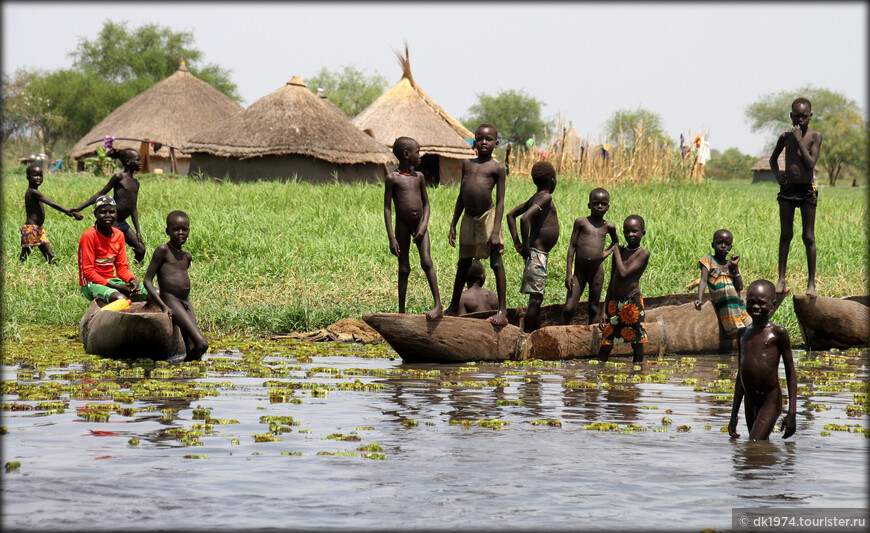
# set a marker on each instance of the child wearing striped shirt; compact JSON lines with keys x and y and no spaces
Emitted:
{"x":722,"y":276}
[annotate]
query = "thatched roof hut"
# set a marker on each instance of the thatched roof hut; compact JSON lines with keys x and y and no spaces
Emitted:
{"x":289,"y":133}
{"x":573,"y":143}
{"x":761,"y":170}
{"x":168,"y":112}
{"x":406,"y":110}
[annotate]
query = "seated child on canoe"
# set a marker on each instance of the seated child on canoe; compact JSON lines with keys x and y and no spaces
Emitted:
{"x":170,"y":264}
{"x":32,"y":233}
{"x":623,"y":320}
{"x":406,"y":188}
{"x":760,"y":347}
{"x":103,"y":269}
{"x":539,"y":226}
{"x":480,"y":232}
{"x":722,"y":277}
{"x":475,"y":298}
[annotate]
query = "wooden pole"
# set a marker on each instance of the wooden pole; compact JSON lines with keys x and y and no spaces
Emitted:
{"x":172,"y":159}
{"x":145,"y":152}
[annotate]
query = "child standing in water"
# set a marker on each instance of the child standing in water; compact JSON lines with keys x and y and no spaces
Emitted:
{"x":480,"y":234}
{"x":587,"y":253}
{"x":407,"y":189}
{"x":125,"y":190}
{"x":624,"y":312}
{"x":32,"y":233}
{"x":797,"y":188}
{"x":170,"y":264}
{"x":760,"y":347}
{"x":722,"y":277}
{"x":540,"y":231}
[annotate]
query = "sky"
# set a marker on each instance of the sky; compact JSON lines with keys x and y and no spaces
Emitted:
{"x":697,"y":65}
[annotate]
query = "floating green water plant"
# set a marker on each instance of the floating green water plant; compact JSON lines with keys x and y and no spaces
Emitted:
{"x":133,"y":441}
{"x":602,"y":426}
{"x":545,"y":422}
{"x":13,"y":465}
{"x":190,"y":456}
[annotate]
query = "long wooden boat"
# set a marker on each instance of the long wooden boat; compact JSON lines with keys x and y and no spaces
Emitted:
{"x":140,"y":331}
{"x":833,"y":322}
{"x":673,"y":325}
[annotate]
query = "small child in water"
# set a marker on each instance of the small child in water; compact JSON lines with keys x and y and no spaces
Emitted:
{"x":32,"y":233}
{"x":540,"y":231}
{"x":722,"y":277}
{"x":170,"y":264}
{"x":760,"y":347}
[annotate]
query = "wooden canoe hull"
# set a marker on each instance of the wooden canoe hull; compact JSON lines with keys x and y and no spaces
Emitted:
{"x":833,"y":322}
{"x":677,"y":329}
{"x":141,"y":331}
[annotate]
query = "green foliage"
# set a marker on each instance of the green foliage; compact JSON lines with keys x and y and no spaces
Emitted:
{"x":838,"y":118}
{"x":626,"y":126}
{"x":270,"y":260}
{"x":101,"y":164}
{"x":348,"y":87}
{"x":730,"y":164}
{"x":145,"y":55}
{"x":515,"y":114}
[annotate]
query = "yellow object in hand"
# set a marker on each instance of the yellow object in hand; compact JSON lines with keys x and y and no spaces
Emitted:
{"x":117,"y":305}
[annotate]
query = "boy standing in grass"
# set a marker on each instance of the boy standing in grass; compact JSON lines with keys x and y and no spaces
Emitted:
{"x":540,"y":231}
{"x":170,"y":264}
{"x":759,"y":349}
{"x":32,"y":233}
{"x":407,"y":189}
{"x":476,"y":298}
{"x":125,"y":189}
{"x":103,"y":269}
{"x":797,"y":188}
{"x":723,"y":278}
{"x":586,"y":251}
{"x":624,"y":312}
{"x":480,"y":234}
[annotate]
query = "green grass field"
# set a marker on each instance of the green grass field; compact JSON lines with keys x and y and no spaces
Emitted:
{"x":279,"y":257}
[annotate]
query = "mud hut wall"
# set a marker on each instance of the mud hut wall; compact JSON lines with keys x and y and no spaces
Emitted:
{"x":449,"y":170}
{"x":284,"y":167}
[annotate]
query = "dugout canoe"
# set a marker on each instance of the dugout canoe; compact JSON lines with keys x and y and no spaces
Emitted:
{"x":140,"y":331}
{"x":833,"y":322}
{"x":673,"y":326}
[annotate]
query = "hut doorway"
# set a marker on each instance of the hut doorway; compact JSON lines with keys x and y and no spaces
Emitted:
{"x":429,"y":165}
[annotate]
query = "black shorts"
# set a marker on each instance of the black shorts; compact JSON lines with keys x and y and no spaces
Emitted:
{"x":798,"y":194}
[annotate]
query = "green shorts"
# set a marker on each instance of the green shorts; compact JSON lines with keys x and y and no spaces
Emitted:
{"x":104,"y":292}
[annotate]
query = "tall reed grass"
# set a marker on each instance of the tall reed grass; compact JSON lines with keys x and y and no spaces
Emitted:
{"x":646,"y":160}
{"x":278,"y":257}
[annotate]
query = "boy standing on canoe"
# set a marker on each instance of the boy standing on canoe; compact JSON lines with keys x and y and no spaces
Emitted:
{"x":759,"y":349}
{"x":723,"y":278}
{"x":480,"y":233}
{"x":586,"y":251}
{"x":475,"y":298}
{"x":407,"y":189}
{"x":797,"y":188}
{"x":539,"y":225}
{"x":624,"y":312}
{"x":102,"y":256}
{"x":125,"y":189}
{"x":32,"y":233}
{"x":170,"y":264}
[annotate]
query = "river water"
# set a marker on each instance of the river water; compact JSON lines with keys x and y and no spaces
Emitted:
{"x":459,"y":447}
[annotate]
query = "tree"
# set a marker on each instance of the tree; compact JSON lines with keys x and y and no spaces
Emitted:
{"x":625,"y":125}
{"x":145,"y":55}
{"x":348,"y":88}
{"x":838,"y":118}
{"x":515,"y":114}
{"x":729,"y":164}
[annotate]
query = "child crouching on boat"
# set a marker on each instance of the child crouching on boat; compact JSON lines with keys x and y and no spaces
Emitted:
{"x":103,"y":269}
{"x":170,"y":264}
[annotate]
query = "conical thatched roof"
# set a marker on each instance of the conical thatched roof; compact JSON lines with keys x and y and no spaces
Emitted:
{"x":169,"y":111}
{"x":764,"y":162}
{"x":573,"y":141}
{"x":405,"y":110}
{"x":291,"y":120}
